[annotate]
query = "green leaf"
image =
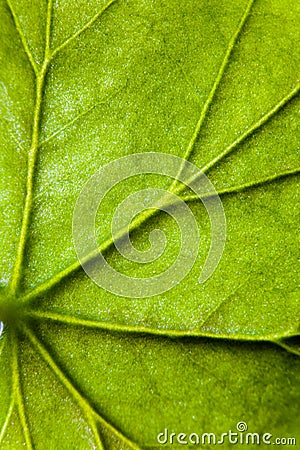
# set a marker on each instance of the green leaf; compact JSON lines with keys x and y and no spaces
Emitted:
{"x":81,"y":85}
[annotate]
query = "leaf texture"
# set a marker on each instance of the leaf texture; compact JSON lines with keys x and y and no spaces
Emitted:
{"x":85,"y":83}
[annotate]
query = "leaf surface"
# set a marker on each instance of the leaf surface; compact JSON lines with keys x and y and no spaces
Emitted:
{"x":81,"y":85}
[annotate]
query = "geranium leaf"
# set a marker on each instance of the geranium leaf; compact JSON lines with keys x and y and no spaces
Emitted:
{"x":83,"y":84}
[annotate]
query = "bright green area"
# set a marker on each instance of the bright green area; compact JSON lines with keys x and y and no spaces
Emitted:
{"x":82,"y":84}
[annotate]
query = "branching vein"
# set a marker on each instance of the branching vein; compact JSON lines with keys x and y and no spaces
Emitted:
{"x":35,"y":145}
{"x":63,"y":379}
{"x":90,"y":412}
{"x":7,"y":418}
{"x":244,"y":187}
{"x":92,"y":415}
{"x":84,"y":28}
{"x":63,"y":274}
{"x":9,"y":412}
{"x":48,"y":28}
{"x":211,"y":95}
{"x":18,"y":393}
{"x":78,"y":117}
{"x":22,"y":36}
{"x":288,"y":348}
{"x":137,"y":329}
{"x":31,"y":163}
{"x":254,"y":128}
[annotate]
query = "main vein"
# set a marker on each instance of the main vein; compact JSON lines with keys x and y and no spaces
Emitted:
{"x":148,"y":214}
{"x":140,"y":329}
{"x":33,"y":152}
{"x":32,"y":157}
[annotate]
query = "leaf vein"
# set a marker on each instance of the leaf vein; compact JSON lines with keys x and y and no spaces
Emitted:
{"x":288,"y":348}
{"x":82,"y":401}
{"x":57,"y":278}
{"x":7,"y":419}
{"x":78,"y":117}
{"x":163,"y":332}
{"x":214,"y":88}
{"x":254,"y":128}
{"x":18,"y":393}
{"x":246,"y":186}
{"x":22,"y":37}
{"x":8,"y":415}
{"x":84,"y":28}
{"x":31,"y":163}
{"x":262,"y":121}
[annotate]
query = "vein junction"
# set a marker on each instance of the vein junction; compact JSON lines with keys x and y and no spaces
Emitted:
{"x":17,"y":395}
{"x":41,"y":75}
{"x":35,"y":144}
